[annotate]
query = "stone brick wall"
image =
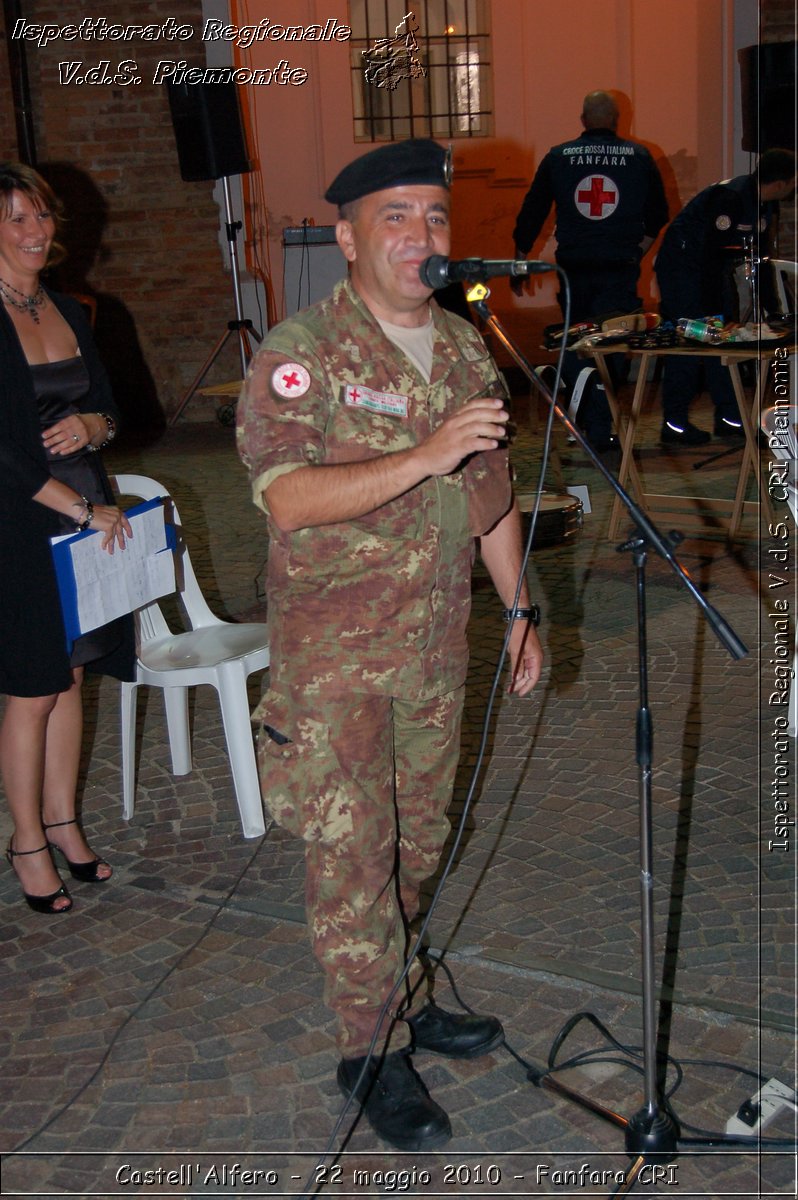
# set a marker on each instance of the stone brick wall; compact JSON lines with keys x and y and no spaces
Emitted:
{"x":777,"y":20}
{"x":142,"y":240}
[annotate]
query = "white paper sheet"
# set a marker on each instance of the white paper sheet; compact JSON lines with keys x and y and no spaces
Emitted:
{"x":109,"y":585}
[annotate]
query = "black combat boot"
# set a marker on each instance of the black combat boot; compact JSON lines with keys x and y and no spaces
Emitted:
{"x":396,"y":1103}
{"x":455,"y":1035}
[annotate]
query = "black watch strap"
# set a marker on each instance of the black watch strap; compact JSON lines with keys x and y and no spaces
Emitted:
{"x":523,"y":614}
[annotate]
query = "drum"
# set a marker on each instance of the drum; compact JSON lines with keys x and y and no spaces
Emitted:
{"x":559,"y":517}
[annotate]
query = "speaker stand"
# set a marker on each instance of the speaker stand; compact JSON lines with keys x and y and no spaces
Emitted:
{"x":241,"y":327}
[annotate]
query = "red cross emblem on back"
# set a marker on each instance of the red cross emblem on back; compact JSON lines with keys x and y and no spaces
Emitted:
{"x":596,"y":197}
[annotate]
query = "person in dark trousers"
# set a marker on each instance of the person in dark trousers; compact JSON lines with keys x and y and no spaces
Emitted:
{"x":610,"y":205}
{"x":695,"y":273}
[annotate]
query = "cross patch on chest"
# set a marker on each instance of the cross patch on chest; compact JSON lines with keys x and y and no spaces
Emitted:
{"x":380,"y":402}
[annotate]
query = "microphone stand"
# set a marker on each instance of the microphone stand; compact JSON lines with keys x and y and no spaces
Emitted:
{"x":651,"y":1134}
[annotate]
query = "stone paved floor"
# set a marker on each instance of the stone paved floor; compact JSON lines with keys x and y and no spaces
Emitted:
{"x":174,"y":1019}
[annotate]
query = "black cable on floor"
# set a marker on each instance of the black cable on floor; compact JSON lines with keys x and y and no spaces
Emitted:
{"x":134,"y":1013}
{"x":630,"y":1053}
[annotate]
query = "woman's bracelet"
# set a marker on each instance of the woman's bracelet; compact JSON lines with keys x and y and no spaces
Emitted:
{"x":86,"y":516}
{"x":523,"y":614}
{"x":110,"y":433}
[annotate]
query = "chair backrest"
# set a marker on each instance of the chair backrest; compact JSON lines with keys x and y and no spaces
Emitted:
{"x":150,"y":620}
{"x":785,"y":273}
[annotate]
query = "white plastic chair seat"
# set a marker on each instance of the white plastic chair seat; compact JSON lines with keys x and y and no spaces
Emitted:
{"x":210,"y":651}
{"x":204,"y":648}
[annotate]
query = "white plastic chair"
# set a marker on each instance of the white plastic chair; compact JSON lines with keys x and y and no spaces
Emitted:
{"x":212,"y":651}
{"x":785,"y":276}
{"x":582,"y":380}
{"x":783,"y":445}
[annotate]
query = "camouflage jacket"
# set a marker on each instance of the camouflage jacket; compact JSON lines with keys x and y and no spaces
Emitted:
{"x":379,"y":603}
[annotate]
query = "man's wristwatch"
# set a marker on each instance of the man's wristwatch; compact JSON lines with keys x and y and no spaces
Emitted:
{"x":523,"y":614}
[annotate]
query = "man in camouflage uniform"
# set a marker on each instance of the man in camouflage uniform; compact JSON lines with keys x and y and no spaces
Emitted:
{"x":372,"y":426}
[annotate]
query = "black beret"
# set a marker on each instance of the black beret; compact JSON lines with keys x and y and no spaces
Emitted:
{"x":416,"y":161}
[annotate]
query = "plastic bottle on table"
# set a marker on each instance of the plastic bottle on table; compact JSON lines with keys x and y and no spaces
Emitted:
{"x":710,"y":330}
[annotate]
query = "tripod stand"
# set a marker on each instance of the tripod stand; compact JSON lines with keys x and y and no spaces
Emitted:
{"x":651,"y":1134}
{"x":242,"y":327}
{"x":746,"y":279}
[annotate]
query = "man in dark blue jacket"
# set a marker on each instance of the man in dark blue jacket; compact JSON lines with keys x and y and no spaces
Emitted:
{"x":610,"y":205}
{"x":695,"y":268}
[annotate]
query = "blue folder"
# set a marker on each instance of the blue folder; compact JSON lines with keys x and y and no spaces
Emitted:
{"x":65,"y":573}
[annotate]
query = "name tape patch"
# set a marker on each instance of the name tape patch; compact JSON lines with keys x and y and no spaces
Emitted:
{"x":381,"y":402}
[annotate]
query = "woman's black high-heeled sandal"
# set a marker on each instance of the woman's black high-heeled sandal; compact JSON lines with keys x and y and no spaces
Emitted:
{"x":42,"y":904}
{"x":86,"y":872}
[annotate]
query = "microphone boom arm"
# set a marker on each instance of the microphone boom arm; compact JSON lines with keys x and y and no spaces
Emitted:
{"x":662,"y":545}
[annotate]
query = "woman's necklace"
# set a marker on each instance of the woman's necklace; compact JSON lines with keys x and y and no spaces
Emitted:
{"x":27,"y":304}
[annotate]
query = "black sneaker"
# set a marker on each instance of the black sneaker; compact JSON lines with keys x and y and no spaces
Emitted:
{"x":685,"y":434}
{"x":729,"y":427}
{"x":397,"y":1105}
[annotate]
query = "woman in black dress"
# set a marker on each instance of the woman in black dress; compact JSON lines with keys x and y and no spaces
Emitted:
{"x":56,"y":410}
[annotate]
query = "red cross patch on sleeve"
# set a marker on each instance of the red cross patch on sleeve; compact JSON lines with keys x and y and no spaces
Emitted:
{"x":290,"y":379}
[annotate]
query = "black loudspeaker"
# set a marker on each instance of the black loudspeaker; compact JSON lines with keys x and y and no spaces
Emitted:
{"x":208,"y":129}
{"x":767,"y":88}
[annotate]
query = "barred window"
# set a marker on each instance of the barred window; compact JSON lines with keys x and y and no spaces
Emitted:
{"x":420,"y":72}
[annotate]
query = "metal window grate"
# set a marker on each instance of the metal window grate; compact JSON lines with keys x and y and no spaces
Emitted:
{"x":420,"y":72}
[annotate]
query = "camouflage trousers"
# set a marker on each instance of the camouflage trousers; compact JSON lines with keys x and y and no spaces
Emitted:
{"x":366,"y":781}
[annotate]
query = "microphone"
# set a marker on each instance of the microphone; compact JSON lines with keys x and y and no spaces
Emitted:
{"x":437,"y":271}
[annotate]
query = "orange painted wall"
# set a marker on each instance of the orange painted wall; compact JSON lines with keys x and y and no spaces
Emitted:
{"x":670,"y":61}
